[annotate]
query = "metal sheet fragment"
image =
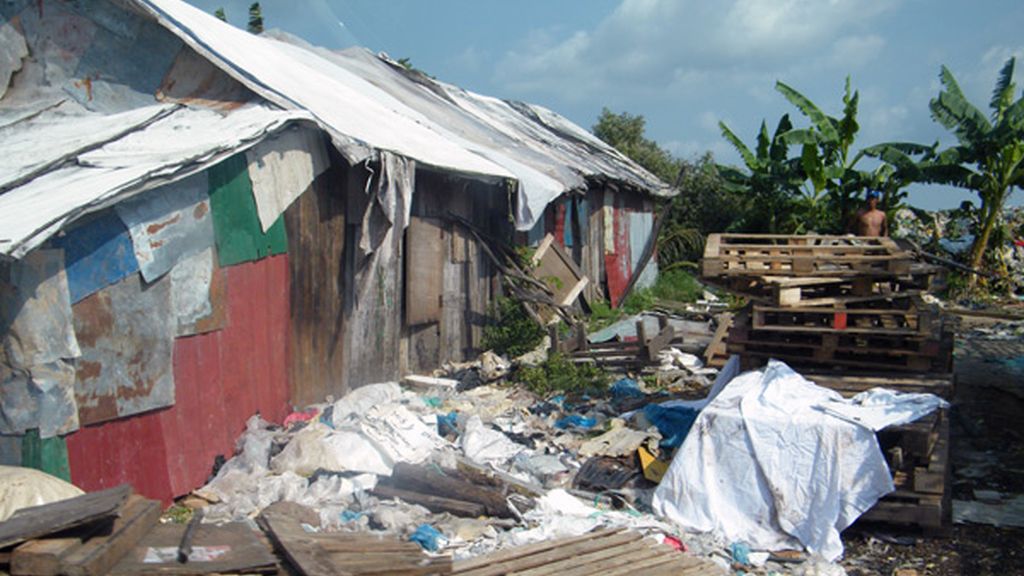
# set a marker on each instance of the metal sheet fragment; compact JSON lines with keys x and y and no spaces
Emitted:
{"x":97,"y":254}
{"x":169,"y":224}
{"x":126,"y":333}
{"x":282,"y":167}
{"x":13,"y":51}
{"x":193,"y":294}
{"x":38,"y":343}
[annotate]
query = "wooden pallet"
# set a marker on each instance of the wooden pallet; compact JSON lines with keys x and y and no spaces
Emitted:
{"x":849,"y":384}
{"x":858,"y":350}
{"x":796,"y":291}
{"x":922,"y":497}
{"x":792,"y":255}
{"x":889,"y":321}
{"x":606,"y":553}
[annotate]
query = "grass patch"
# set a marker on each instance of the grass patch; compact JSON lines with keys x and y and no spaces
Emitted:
{"x":559,"y":374}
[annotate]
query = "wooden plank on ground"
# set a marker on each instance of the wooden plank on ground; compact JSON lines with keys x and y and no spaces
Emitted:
{"x":552,"y":555}
{"x":521,"y":551}
{"x":227,"y":549}
{"x":433,"y":503}
{"x":42,"y":557}
{"x":302,"y":552}
{"x":37,"y":521}
{"x":97,"y":555}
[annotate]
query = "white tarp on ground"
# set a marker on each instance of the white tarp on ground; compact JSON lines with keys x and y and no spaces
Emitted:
{"x":765,"y":464}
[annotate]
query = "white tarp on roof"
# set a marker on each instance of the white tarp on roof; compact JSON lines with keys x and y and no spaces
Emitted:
{"x":161,"y":152}
{"x":367,"y":108}
{"x":350,"y":108}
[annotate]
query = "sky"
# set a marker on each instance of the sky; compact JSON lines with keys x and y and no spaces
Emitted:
{"x":685,"y":65}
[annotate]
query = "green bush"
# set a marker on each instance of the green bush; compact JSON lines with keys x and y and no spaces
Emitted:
{"x":559,"y":374}
{"x":511,"y":331}
{"x":677,"y":285}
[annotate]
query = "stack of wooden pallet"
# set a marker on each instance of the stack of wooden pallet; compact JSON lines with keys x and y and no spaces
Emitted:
{"x":829,"y":301}
{"x":848,"y":313}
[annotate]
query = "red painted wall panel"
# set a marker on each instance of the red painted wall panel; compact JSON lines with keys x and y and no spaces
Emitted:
{"x":559,"y":228}
{"x":221,"y":379}
{"x":617,"y":265}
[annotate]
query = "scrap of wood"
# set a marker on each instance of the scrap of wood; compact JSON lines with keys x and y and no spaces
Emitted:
{"x":449,"y":485}
{"x":37,"y":521}
{"x":41,"y":557}
{"x":302,"y":552}
{"x":430,"y":502}
{"x":97,"y":555}
{"x":464,"y":566}
{"x":245,"y":552}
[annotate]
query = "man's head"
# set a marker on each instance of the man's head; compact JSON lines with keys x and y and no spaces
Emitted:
{"x":872,"y":198}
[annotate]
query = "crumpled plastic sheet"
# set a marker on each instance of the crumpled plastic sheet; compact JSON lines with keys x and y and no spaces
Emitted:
{"x":486,"y":446}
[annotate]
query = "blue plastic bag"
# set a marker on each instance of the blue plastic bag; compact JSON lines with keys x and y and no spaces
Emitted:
{"x":626,"y":388}
{"x":448,"y":424}
{"x":429,"y":538}
{"x":575,"y":421}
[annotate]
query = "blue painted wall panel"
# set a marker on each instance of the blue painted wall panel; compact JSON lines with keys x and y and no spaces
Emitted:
{"x":97,"y":254}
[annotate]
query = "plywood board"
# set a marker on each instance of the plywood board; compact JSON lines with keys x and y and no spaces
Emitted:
{"x":424,"y":263}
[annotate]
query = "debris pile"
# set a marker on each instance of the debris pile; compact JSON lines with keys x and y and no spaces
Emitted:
{"x":850,"y":314}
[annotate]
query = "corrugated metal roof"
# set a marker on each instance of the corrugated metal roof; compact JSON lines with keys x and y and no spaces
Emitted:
{"x":434,"y":123}
{"x":175,"y":146}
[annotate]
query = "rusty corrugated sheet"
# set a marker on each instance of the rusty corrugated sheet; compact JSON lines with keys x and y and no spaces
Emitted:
{"x":617,"y":262}
{"x":126,"y":333}
{"x":221,"y":377}
{"x":13,"y":51}
{"x":194,"y":81}
{"x":37,"y":344}
{"x":168,"y":224}
{"x":130,"y":450}
{"x":97,"y":253}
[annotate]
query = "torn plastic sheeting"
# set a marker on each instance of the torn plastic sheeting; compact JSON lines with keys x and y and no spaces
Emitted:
{"x":765,"y":466}
{"x":169,"y":224}
{"x":359,"y":401}
{"x":483,"y":445}
{"x":391,"y":202}
{"x":282,"y":167}
{"x":317,"y":447}
{"x":880,"y":408}
{"x":400,"y":435}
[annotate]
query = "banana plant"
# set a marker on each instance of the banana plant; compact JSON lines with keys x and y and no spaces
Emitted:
{"x":989,"y":155}
{"x":771,"y":180}
{"x":825,"y":154}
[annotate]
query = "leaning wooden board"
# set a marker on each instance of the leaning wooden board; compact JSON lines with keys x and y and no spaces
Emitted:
{"x":37,"y":521}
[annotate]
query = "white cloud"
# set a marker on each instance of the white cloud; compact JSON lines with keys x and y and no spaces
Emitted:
{"x":853,"y":52}
{"x":679,"y":44}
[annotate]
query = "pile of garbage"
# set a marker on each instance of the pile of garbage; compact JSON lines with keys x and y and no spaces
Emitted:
{"x":464,"y":463}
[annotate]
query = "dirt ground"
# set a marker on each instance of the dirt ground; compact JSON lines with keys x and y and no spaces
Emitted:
{"x":987,"y":454}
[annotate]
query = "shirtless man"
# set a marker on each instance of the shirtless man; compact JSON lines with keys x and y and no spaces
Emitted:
{"x":870,"y":221}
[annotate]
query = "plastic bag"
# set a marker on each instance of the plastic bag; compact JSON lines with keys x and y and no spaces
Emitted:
{"x":25,"y":487}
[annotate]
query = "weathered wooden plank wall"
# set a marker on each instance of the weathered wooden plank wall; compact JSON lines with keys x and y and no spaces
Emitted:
{"x":316,"y":240}
{"x":222,"y":378}
{"x":468,"y":277}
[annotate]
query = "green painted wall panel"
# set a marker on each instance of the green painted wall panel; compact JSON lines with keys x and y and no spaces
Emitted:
{"x":47,"y":454}
{"x":235,"y":220}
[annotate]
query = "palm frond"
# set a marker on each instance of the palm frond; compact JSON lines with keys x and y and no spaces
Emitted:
{"x":748,"y":156}
{"x":1002,"y":96}
{"x":803,"y":136}
{"x":779,"y":149}
{"x":822,"y":122}
{"x":763,"y":141}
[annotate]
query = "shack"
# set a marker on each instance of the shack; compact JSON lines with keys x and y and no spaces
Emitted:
{"x":198,"y":224}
